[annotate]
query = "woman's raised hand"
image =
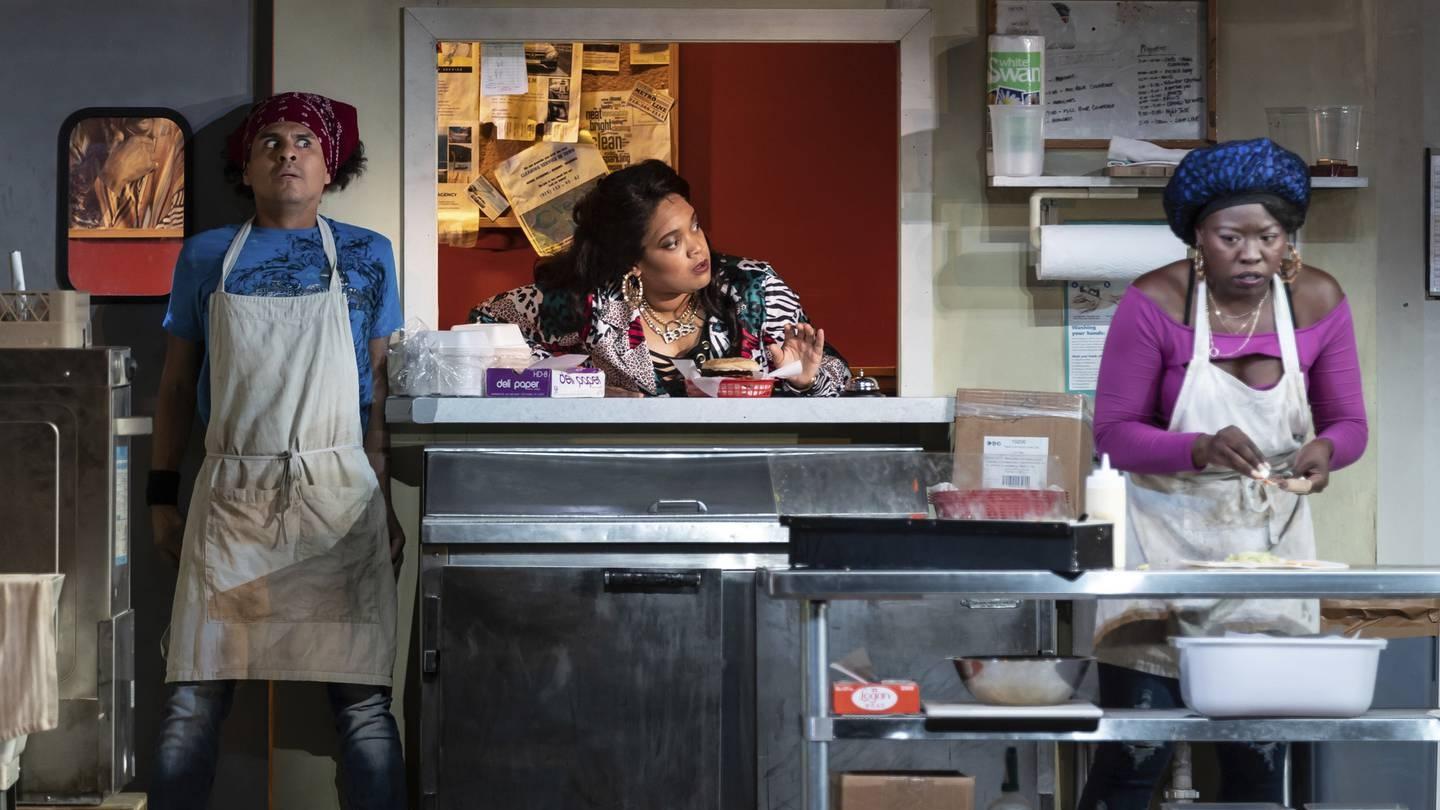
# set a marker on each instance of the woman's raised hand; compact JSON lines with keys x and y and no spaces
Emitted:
{"x":805,"y":344}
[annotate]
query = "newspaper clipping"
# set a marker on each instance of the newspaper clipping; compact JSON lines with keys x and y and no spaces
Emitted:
{"x":649,"y":53}
{"x":625,"y":135}
{"x":602,"y":57}
{"x":543,"y":183}
{"x":548,"y":105}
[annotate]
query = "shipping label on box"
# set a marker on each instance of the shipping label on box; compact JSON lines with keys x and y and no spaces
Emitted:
{"x":1016,"y":462}
{"x":883,"y":697}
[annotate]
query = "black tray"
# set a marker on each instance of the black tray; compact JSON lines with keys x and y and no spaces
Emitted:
{"x":890,"y":544}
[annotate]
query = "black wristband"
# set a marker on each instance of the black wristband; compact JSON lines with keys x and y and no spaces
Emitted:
{"x":162,"y":488}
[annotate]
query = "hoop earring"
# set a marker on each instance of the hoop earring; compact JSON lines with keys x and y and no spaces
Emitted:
{"x":634,"y":289}
{"x":1291,"y":265}
{"x":1197,"y":264}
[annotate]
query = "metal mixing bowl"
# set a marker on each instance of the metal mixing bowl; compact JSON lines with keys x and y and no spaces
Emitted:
{"x":1022,"y":680}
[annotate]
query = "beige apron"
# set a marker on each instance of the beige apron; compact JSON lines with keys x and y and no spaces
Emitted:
{"x":1216,"y":512}
{"x":285,"y":572}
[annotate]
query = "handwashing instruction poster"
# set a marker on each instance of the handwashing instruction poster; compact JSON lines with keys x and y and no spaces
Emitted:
{"x":1089,"y":308}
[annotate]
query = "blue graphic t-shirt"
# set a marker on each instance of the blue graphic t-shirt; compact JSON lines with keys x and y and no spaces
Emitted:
{"x":282,"y":263}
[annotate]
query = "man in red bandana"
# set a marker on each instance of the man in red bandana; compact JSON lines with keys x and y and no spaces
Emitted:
{"x":277,"y":331}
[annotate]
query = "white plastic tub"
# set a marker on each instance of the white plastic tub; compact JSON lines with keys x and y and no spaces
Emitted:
{"x":1257,"y":676}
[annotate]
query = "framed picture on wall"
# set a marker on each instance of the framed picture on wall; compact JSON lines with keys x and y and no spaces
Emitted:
{"x":1432,"y":223}
{"x":123,"y":199}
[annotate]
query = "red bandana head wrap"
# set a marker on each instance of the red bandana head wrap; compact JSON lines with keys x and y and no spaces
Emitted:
{"x":333,"y":122}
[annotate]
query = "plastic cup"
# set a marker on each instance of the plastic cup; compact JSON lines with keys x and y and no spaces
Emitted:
{"x":1018,"y":134}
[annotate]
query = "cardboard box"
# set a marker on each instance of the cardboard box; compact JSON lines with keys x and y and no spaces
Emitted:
{"x":1023,"y":439}
{"x":920,"y":790}
{"x":878,"y":697}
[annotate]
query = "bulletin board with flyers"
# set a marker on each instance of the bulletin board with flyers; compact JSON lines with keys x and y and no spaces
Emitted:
{"x":517,"y":145}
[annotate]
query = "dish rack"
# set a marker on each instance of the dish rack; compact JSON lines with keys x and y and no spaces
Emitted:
{"x":44,"y":319}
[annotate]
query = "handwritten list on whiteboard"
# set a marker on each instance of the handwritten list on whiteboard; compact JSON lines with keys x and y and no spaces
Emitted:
{"x":1135,"y":69}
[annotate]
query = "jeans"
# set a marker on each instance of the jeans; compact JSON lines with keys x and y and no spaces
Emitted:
{"x":371,"y":767}
{"x":1124,"y":776}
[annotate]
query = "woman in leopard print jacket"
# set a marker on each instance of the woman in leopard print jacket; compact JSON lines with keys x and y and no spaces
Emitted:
{"x":639,"y":288}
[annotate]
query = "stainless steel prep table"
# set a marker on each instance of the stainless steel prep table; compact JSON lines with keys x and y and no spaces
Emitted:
{"x":815,"y":589}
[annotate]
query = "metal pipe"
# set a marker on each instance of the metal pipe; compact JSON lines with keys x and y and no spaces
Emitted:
{"x":815,"y":754}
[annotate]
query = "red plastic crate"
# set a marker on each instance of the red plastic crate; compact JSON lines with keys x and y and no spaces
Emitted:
{"x":1002,"y":504}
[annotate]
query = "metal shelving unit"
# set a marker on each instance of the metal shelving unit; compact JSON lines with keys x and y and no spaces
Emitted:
{"x":815,"y":589}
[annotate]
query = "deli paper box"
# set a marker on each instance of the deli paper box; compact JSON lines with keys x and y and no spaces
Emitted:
{"x":561,"y":377}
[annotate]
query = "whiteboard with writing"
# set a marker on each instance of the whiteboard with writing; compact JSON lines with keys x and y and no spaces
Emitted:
{"x":1134,"y":68}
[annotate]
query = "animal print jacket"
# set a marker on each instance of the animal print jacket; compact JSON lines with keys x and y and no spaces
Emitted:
{"x":605,"y":326}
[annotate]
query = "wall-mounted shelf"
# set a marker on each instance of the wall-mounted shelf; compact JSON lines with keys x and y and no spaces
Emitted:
{"x":1100,"y":181}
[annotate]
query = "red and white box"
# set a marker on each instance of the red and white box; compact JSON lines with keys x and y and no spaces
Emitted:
{"x":875,"y":697}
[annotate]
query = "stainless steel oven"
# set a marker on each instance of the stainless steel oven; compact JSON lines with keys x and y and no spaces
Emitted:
{"x":65,"y":473}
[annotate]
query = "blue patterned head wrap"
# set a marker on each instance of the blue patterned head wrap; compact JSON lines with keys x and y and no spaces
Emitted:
{"x":1237,"y":173}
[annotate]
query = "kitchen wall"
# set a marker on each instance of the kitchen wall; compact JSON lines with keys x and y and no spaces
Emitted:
{"x":993,"y":325}
{"x":57,"y":58}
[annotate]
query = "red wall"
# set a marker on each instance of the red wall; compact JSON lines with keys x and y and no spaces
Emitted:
{"x":792,"y":155}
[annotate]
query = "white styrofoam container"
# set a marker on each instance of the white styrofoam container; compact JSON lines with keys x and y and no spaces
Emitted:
{"x":467,"y":350}
{"x":1260,"y":676}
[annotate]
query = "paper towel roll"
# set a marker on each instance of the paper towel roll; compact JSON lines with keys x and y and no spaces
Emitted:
{"x":1105,"y":252}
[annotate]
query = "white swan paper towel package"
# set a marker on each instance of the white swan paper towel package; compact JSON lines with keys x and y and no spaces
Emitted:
{"x":1105,"y":252}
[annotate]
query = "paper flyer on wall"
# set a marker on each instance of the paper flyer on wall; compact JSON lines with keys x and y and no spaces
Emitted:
{"x":543,"y":183}
{"x":502,"y":69}
{"x":625,"y":135}
{"x":457,"y":146}
{"x":649,"y":53}
{"x":491,"y":202}
{"x":1089,"y":308}
{"x":652,"y":102}
{"x":458,"y":218}
{"x":602,"y":57}
{"x":548,"y":103}
{"x":457,"y":81}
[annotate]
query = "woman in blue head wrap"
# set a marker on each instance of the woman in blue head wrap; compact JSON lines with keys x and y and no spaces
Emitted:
{"x":1229,"y":390}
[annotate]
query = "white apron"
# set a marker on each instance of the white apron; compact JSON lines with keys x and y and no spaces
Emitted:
{"x":1216,"y":512}
{"x":285,"y":572}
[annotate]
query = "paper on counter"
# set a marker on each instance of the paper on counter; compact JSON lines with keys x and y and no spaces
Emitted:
{"x":559,"y":362}
{"x":710,"y":386}
{"x":652,"y":102}
{"x":502,"y":69}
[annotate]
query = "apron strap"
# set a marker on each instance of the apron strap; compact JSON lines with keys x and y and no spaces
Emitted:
{"x":237,"y":244}
{"x":1285,"y":327}
{"x":1200,"y":353}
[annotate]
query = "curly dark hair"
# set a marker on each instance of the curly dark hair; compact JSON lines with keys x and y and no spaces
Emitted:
{"x":353,"y":167}
{"x":610,"y":225}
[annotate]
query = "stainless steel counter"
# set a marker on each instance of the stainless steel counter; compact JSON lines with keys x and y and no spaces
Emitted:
{"x":1180,"y":725}
{"x":1352,"y":583}
{"x":672,"y":411}
{"x":816,"y":589}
